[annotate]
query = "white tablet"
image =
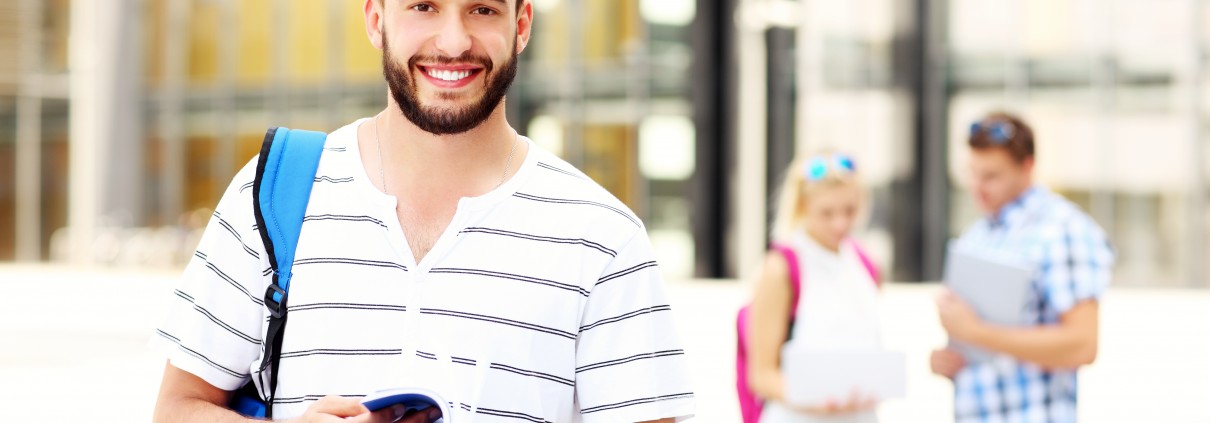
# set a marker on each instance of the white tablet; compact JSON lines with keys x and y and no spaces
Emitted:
{"x":814,"y":377}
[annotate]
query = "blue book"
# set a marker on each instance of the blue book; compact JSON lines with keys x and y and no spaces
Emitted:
{"x":417,"y":399}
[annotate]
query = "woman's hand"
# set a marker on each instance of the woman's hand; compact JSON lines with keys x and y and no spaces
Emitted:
{"x":856,"y":403}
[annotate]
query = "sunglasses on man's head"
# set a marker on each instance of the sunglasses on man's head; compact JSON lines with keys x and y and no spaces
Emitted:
{"x":818,"y":168}
{"x":998,"y":132}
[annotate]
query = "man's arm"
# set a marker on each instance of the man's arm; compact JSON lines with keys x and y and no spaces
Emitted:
{"x":1071,"y":343}
{"x":188,"y":398}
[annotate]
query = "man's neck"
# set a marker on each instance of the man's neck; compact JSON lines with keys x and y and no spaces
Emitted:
{"x":467,"y":162}
{"x":1016,"y":199}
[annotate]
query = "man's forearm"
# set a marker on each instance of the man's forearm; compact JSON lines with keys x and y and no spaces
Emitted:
{"x":1047,"y":346}
{"x":190,"y":410}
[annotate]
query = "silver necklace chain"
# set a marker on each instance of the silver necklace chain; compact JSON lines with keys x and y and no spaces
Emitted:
{"x":509,"y":164}
{"x":382,"y":176}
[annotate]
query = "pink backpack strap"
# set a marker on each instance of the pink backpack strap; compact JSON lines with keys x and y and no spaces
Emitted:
{"x":869,"y":264}
{"x":750,"y":405}
{"x":795,"y":274}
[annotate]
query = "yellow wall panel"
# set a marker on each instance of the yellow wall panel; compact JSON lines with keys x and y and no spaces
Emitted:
{"x":203,"y":42}
{"x":307,"y":41}
{"x":256,"y":28}
{"x":361,"y":60}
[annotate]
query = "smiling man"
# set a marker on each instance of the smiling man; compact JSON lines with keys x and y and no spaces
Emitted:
{"x":440,"y":250}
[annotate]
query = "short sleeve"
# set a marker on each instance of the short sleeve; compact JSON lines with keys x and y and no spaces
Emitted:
{"x":1077,"y":264}
{"x":215,"y":314}
{"x":630,"y":367}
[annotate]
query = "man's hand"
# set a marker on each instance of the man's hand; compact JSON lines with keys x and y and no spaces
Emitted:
{"x":947,"y":363}
{"x":957,"y":317}
{"x":857,"y":402}
{"x":333,"y":409}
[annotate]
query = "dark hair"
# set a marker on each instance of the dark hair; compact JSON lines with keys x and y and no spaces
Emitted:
{"x":1005,"y":131}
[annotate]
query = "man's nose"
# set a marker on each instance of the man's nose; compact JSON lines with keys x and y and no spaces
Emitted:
{"x":454,"y":39}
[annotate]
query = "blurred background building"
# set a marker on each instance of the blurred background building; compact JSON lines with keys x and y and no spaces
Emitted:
{"x":122,"y":121}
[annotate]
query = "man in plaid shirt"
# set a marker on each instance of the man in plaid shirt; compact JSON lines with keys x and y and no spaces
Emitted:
{"x":1032,"y":377}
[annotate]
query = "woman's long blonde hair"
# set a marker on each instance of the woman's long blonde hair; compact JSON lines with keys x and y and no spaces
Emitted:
{"x":796,"y":190}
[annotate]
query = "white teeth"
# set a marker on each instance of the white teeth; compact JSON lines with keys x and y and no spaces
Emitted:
{"x":448,"y":75}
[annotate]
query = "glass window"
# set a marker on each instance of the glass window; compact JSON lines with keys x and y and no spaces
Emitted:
{"x":8,"y":174}
{"x":1111,"y":122}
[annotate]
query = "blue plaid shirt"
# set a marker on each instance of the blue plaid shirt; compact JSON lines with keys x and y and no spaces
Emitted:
{"x":1074,"y":262}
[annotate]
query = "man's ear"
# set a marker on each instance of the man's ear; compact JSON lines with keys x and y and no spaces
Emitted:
{"x":374,"y":17}
{"x":525,"y":24}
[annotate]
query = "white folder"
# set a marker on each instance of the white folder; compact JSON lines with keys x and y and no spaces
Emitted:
{"x":813,"y":377}
{"x":995,"y":286}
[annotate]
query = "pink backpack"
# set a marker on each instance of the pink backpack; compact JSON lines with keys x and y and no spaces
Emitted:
{"x":750,"y":405}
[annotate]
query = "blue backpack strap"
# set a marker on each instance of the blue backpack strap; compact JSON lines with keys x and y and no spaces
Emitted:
{"x":285,"y":173}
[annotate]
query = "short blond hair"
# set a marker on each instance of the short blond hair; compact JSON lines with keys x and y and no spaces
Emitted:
{"x":796,"y":190}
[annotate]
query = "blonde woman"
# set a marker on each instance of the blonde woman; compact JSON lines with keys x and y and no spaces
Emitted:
{"x":817,"y":289}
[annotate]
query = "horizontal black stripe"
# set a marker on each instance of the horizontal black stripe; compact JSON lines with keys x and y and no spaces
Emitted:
{"x":531,"y":237}
{"x":200,"y":356}
{"x":344,"y":218}
{"x":629,"y":315}
{"x":199,"y":254}
{"x":182,"y":294}
{"x":168,"y":336}
{"x":332,"y":351}
{"x":236,"y":234}
{"x":556,"y":169}
{"x":332,"y":180}
{"x":625,"y":272}
{"x":630,"y":359}
{"x":636,"y":402}
{"x":246,"y":186}
{"x":531,"y":373}
{"x":502,"y":275}
{"x":511,"y":414}
{"x":336,"y":149}
{"x":310,"y":398}
{"x":233,"y":283}
{"x":216,"y":320}
{"x":499,"y":320}
{"x":268,"y":271}
{"x":352,"y":261}
{"x":577,"y":202}
{"x":461,"y":360}
{"x":346,"y":306}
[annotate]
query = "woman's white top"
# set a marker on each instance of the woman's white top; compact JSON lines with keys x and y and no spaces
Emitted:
{"x":837,"y":309}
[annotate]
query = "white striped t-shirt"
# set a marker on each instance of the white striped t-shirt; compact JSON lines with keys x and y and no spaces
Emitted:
{"x":541,"y":302}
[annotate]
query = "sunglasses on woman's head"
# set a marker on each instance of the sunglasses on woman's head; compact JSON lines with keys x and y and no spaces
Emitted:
{"x":818,"y":168}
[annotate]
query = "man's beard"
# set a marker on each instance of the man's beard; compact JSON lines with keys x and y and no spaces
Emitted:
{"x":446,"y":120}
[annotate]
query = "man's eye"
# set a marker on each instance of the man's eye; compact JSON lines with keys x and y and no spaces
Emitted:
{"x":423,"y":8}
{"x":484,"y":11}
